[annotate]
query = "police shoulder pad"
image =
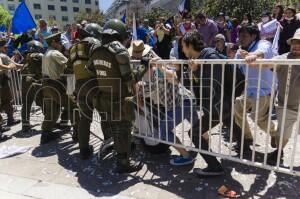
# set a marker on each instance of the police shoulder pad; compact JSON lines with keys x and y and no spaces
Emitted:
{"x":116,"y":47}
{"x":91,"y":40}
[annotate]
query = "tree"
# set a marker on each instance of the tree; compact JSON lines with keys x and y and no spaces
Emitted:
{"x":5,"y":17}
{"x":155,"y":13}
{"x":93,"y":17}
{"x":237,"y":8}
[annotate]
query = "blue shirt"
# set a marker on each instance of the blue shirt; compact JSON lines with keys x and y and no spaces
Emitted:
{"x":142,"y":34}
{"x":45,"y":33}
{"x":253,"y":73}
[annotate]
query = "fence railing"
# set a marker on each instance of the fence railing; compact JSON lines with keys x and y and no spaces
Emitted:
{"x":185,"y":109}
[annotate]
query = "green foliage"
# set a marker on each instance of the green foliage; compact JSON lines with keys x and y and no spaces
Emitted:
{"x":5,"y":17}
{"x":237,"y":8}
{"x":155,"y":13}
{"x":93,"y":17}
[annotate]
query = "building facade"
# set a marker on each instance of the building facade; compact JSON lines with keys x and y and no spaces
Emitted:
{"x":119,"y":7}
{"x":61,"y":11}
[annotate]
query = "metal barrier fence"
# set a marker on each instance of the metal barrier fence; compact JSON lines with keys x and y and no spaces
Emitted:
{"x":166,"y":109}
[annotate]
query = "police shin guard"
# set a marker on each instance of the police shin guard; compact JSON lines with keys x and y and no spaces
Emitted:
{"x":122,"y":146}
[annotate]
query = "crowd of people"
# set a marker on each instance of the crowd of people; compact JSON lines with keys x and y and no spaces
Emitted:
{"x":99,"y":58}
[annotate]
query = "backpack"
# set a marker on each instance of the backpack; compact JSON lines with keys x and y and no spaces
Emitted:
{"x":228,"y":75}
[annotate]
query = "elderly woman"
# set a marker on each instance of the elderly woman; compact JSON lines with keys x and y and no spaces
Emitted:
{"x":289,"y":26}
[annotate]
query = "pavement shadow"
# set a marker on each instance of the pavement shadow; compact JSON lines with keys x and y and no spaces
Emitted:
{"x":99,"y":178}
{"x":28,"y":134}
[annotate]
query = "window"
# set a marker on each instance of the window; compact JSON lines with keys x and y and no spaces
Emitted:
{"x":51,"y":7}
{"x":63,"y":0}
{"x":11,"y":7}
{"x":75,"y":1}
{"x":75,"y":9}
{"x":64,"y":18}
{"x":52,"y":17}
{"x":87,"y":1}
{"x":64,"y":8}
{"x":36,"y":6}
{"x":37,"y":17}
{"x":96,"y":3}
{"x":88,"y":10}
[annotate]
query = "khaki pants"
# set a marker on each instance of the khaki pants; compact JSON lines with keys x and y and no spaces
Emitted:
{"x":289,"y":125}
{"x":263,"y":110}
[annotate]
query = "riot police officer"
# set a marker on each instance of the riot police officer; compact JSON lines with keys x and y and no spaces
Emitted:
{"x":86,"y":85}
{"x":110,"y":63}
{"x":54,"y":64}
{"x":31,"y":81}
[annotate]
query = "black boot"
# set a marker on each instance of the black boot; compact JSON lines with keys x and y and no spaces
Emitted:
{"x":125,"y":165}
{"x":86,"y":153}
{"x":11,"y":121}
{"x":272,"y":158}
{"x":75,"y":135}
{"x":4,"y":137}
{"x":48,"y":136}
{"x":128,"y":166}
{"x":4,"y":128}
{"x":26,"y":128}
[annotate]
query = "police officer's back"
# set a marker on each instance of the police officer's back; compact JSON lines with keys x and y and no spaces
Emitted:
{"x":110,"y":63}
{"x":31,"y":81}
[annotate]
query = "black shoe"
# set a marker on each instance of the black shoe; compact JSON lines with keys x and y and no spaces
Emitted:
{"x":3,"y":138}
{"x":48,"y":137}
{"x":273,"y":142}
{"x":12,"y":122}
{"x":129,"y":167}
{"x":86,"y":153}
{"x":26,"y":128}
{"x":246,"y":149}
{"x":209,"y":171}
{"x":4,"y":128}
{"x":272,"y":158}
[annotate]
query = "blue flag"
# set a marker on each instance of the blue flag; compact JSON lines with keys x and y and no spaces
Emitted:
{"x":123,"y":19}
{"x":22,"y":19}
{"x":2,"y":28}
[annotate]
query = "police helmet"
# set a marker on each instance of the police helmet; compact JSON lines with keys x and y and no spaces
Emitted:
{"x":91,"y":30}
{"x":35,"y":47}
{"x":115,"y":26}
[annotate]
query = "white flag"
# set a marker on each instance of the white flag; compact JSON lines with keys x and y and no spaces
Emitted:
{"x":181,"y":6}
{"x":275,"y":45}
{"x":134,"y":33}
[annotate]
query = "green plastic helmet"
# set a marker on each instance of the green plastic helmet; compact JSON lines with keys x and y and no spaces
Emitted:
{"x":91,"y":30}
{"x":115,"y":26}
{"x":35,"y":47}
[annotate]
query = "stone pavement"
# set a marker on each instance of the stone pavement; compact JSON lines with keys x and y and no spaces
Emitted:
{"x":54,"y":171}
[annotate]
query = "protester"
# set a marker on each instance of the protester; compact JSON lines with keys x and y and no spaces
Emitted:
{"x":162,"y":33}
{"x":293,"y":99}
{"x":207,"y":28}
{"x":253,"y":48}
{"x":267,"y":34}
{"x":224,"y":27}
{"x":278,"y":11}
{"x":221,"y":44}
{"x":43,"y":32}
{"x":235,"y":30}
{"x":247,"y":20}
{"x":289,"y":26}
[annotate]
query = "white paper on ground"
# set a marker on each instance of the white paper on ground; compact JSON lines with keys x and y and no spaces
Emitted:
{"x":8,"y":151}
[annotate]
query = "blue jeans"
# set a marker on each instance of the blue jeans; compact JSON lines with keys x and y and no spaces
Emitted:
{"x":167,"y":125}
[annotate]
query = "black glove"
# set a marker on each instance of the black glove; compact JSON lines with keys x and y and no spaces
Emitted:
{"x":145,"y":61}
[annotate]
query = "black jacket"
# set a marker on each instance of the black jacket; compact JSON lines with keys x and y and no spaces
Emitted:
{"x":209,"y":53}
{"x":287,"y":32}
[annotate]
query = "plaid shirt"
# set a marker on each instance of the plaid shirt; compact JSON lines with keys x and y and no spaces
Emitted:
{"x":162,"y":92}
